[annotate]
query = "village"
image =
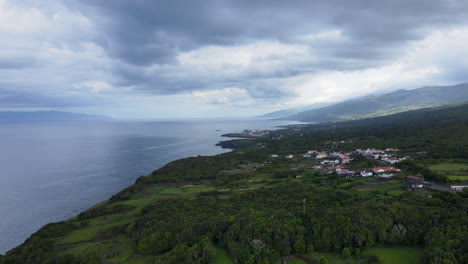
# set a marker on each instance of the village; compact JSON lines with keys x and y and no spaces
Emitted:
{"x":340,"y":163}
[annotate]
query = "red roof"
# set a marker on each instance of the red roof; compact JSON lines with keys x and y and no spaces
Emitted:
{"x":338,"y":167}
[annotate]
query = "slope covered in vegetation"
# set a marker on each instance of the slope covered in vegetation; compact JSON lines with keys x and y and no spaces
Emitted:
{"x":255,"y":208}
{"x":380,"y":105}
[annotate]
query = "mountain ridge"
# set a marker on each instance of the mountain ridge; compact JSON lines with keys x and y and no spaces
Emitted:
{"x":291,"y":111}
{"x":17,"y":116}
{"x":390,"y":103}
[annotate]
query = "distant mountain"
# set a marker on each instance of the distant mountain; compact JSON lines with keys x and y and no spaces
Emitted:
{"x":380,"y":105}
{"x":9,"y":116}
{"x":293,"y":111}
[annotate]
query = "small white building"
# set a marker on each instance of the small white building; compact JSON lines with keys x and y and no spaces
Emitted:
{"x":392,"y":149}
{"x":321,"y":155}
{"x":386,"y":175}
{"x":290,"y":156}
{"x":392,"y":160}
{"x":274,"y":155}
{"x":459,"y":187}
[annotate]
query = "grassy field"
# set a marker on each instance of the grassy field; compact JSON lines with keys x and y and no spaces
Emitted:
{"x":396,"y":192}
{"x":222,"y":257}
{"x":83,"y":239}
{"x":449,"y":166}
{"x":454,"y":171}
{"x":296,"y":261}
{"x":458,"y":177}
{"x":393,"y":187}
{"x":400,"y":255}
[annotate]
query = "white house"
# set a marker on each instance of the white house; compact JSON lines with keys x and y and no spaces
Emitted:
{"x":378,"y":170}
{"x":274,"y":155}
{"x":385,"y":175}
{"x":321,"y":155}
{"x":290,"y":156}
{"x":392,"y":160}
{"x":392,"y":149}
{"x":459,"y":187}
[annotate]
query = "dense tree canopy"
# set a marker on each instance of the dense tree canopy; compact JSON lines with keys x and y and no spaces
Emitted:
{"x":281,"y":216}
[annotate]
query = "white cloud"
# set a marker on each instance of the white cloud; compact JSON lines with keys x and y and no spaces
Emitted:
{"x":334,"y":35}
{"x":92,"y":86}
{"x":260,"y":54}
{"x":49,"y":48}
{"x":46,"y":48}
{"x":226,"y":96}
{"x":424,"y":62}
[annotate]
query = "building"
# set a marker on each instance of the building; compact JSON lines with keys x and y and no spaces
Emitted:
{"x":384,"y":169}
{"x":321,"y":155}
{"x":459,"y":188}
{"x":392,"y":149}
{"x":385,"y":175}
{"x":414,"y":179}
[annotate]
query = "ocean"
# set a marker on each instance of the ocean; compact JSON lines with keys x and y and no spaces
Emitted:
{"x":51,"y":171}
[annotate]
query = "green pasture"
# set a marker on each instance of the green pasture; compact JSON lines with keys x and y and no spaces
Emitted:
{"x":449,"y":166}
{"x":454,"y":171}
{"x":222,"y":257}
{"x":400,"y":255}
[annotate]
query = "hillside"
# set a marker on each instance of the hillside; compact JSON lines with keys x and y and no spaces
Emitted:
{"x":399,"y":101}
{"x":246,"y":206}
{"x":293,"y":111}
{"x":10,"y":116}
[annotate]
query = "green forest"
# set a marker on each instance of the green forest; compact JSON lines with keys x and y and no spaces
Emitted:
{"x":245,"y":206}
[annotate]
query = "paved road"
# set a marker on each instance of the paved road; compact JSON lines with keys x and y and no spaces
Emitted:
{"x":438,"y":187}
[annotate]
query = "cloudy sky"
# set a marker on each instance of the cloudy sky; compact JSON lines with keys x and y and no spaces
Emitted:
{"x":221,"y":58}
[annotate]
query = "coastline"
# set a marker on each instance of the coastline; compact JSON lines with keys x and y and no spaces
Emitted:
{"x":199,"y":204}
{"x":75,"y":212}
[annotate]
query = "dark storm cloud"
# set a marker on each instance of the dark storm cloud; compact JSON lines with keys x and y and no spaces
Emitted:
{"x":142,"y":33}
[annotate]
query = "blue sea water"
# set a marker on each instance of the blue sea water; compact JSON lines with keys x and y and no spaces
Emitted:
{"x":50,"y":171}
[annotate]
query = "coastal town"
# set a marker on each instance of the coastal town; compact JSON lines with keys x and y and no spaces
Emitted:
{"x":385,"y":161}
{"x":340,"y":163}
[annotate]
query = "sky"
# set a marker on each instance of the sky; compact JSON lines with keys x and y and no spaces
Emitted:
{"x":222,"y":58}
